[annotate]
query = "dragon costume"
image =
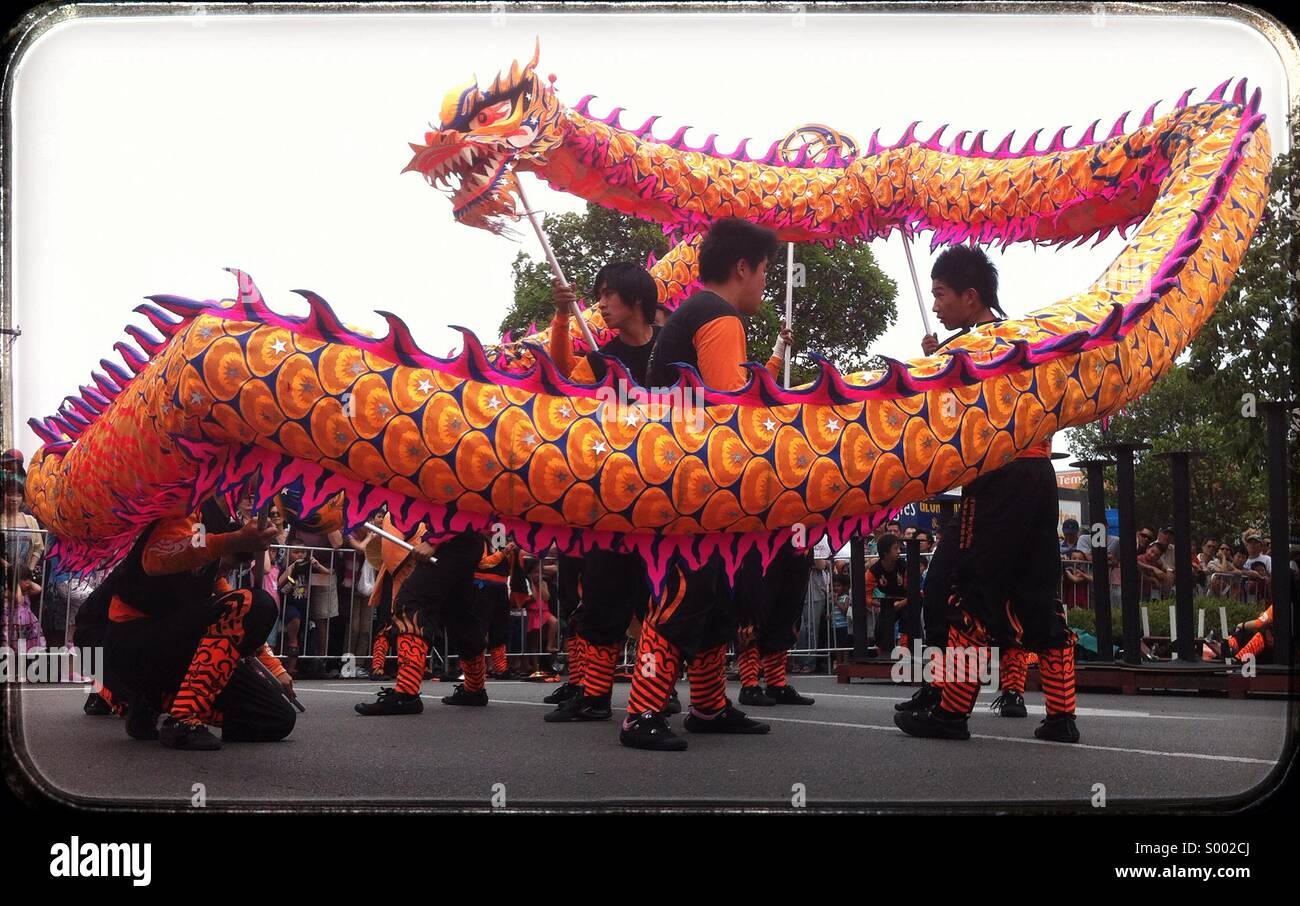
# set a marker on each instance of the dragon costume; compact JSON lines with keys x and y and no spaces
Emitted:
{"x":228,"y":391}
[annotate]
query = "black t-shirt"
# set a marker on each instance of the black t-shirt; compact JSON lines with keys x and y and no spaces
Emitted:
{"x":966,"y":330}
{"x":891,"y":584}
{"x":635,"y":358}
{"x":676,"y":341}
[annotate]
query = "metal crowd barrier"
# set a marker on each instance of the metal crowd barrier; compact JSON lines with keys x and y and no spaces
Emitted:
{"x":61,"y":596}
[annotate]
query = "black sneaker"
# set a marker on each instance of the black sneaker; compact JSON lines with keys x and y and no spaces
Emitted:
{"x":786,"y":695}
{"x":563,"y":693}
{"x":650,"y":731}
{"x":141,"y":720}
{"x":580,"y":709}
{"x":390,"y":701}
{"x":728,"y":720}
{"x":753,"y":695}
{"x":1009,"y":704}
{"x":674,"y":705}
{"x":926,"y":698}
{"x":936,"y":724}
{"x":462,"y":697}
{"x":192,"y":735}
{"x":96,"y":706}
{"x":1060,"y":728}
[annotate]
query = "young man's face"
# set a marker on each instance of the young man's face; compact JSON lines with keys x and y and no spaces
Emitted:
{"x":752,"y":281}
{"x":617,"y":313}
{"x":955,"y":310}
{"x":892,"y":528}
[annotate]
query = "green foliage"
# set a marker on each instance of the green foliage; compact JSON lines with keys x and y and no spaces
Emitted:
{"x":1158,"y":616}
{"x":1247,"y":352}
{"x":583,"y":244}
{"x":847,"y":301}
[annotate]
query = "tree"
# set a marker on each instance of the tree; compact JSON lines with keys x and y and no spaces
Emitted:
{"x":846,"y":302}
{"x":582,"y":243}
{"x":1229,"y":488}
{"x":1246,"y":354}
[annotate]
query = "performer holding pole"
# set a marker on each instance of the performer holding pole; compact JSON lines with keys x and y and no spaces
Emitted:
{"x":555,"y":267}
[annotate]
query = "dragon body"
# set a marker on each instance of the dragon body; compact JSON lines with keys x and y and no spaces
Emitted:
{"x":229,"y":391}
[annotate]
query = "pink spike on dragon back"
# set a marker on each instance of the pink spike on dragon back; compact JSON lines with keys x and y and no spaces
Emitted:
{"x":235,"y":390}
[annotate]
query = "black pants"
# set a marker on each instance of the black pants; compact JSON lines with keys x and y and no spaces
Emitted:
{"x":570,"y":594}
{"x":1008,"y":569}
{"x":695,"y":611}
{"x":151,"y":657}
{"x":936,"y":591}
{"x":494,"y":612}
{"x":771,"y":602}
{"x":442,"y":594}
{"x":614,"y":590}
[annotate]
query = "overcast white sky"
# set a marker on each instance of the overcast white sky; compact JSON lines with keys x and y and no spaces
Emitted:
{"x":150,"y":153}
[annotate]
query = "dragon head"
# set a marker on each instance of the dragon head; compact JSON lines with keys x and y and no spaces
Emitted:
{"x":482,"y":136}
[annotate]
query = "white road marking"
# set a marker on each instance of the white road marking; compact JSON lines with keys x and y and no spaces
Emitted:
{"x":1039,"y":709}
{"x":1039,"y":742}
{"x":1199,"y":756}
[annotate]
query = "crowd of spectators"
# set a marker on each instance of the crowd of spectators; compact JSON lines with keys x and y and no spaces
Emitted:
{"x":322,"y":581}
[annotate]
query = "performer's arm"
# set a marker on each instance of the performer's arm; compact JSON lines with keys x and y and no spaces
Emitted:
{"x":561,"y":345}
{"x":492,"y":559}
{"x":720,"y":350}
{"x":170,"y":548}
{"x":270,"y":661}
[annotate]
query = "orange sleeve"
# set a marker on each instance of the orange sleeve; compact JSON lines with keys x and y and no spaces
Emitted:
{"x":492,"y":559}
{"x":582,"y":372}
{"x":720,"y":350}
{"x":169,"y":549}
{"x":270,"y":661}
{"x":776,"y":367}
{"x":871,"y":586}
{"x":561,"y":345}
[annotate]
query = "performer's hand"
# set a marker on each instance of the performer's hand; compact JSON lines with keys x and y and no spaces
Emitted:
{"x":563,"y":296}
{"x":287,"y":682}
{"x":930,"y":343}
{"x":745,"y":635}
{"x":784,"y":341}
{"x":252,"y":540}
{"x":423,"y":550}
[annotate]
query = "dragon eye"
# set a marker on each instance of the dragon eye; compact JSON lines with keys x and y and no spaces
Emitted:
{"x":489,"y":115}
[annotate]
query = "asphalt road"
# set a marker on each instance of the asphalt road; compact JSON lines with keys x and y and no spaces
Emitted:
{"x":844,"y":751}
